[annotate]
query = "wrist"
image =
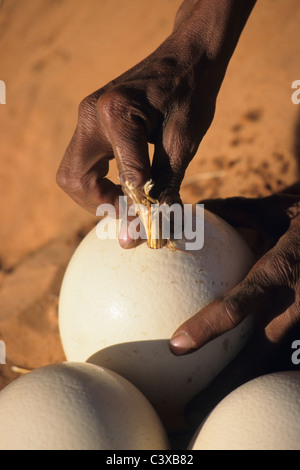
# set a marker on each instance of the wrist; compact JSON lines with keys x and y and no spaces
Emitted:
{"x":209,"y":30}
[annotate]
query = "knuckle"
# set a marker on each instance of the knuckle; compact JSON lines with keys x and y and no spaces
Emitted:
{"x":79,"y":185}
{"x":232,"y":311}
{"x":124,"y":106}
{"x":75,"y":186}
{"x":176,"y":144}
{"x":274,"y":275}
{"x":282,"y":264}
{"x":275,"y":266}
{"x":69,"y":182}
{"x":179,"y":139}
{"x":244,"y":298}
{"x":133,"y":173}
{"x":62,"y":178}
{"x":111,"y":106}
{"x":88,"y":121}
{"x":86,"y":107}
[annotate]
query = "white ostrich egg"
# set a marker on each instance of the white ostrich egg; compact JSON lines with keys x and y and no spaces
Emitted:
{"x":77,"y":406}
{"x":118,"y":308}
{"x":262,"y":414}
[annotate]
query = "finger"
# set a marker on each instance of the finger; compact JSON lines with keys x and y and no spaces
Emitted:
{"x":174,"y":149}
{"x":132,"y":232}
{"x":167,"y":177}
{"x":88,"y":186}
{"x":89,"y":189}
{"x":125,"y":125}
{"x":128,"y":123}
{"x":253,"y":295}
{"x":86,"y":161}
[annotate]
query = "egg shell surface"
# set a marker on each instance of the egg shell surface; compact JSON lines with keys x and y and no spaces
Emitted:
{"x":262,"y":414}
{"x":118,"y":308}
{"x":77,"y":406}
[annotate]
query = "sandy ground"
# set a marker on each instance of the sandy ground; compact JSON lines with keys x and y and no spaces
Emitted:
{"x":54,"y":53}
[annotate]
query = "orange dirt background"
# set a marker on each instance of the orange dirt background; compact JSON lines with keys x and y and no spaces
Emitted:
{"x":53,"y":54}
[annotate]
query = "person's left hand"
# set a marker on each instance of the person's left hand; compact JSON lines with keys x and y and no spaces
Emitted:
{"x":270,"y":291}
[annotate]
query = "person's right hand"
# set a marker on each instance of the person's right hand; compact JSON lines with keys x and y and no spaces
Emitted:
{"x":168,"y":99}
{"x":161,"y":101}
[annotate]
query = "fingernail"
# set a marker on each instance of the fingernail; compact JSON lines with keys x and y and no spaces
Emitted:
{"x":124,"y":238}
{"x":181,"y":343}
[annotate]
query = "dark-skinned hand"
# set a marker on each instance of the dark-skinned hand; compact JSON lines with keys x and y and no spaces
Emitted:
{"x":270,"y":291}
{"x":168,"y":99}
